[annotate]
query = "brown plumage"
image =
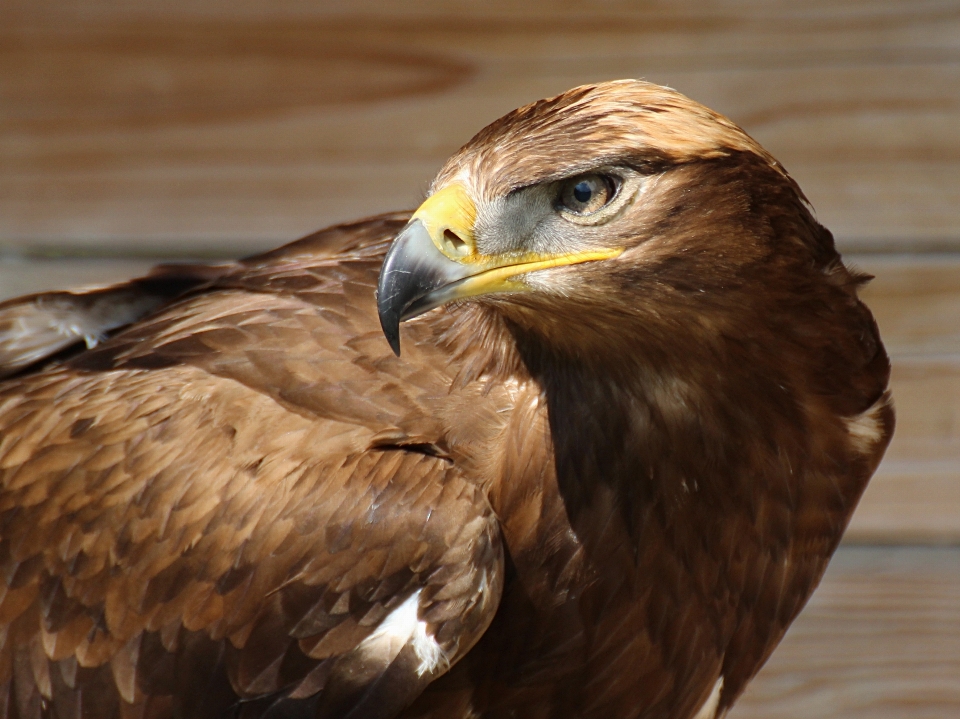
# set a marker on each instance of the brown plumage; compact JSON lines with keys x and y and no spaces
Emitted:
{"x":637,"y":402}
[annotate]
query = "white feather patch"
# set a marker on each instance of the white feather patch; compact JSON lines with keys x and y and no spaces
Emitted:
{"x":400,"y":627}
{"x":866,"y":428}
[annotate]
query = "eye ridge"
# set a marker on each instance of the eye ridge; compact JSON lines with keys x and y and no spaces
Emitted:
{"x":586,"y":194}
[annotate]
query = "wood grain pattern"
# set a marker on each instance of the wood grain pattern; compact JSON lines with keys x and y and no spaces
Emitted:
{"x":215,"y":125}
{"x":916,"y":300}
{"x":19,"y":276}
{"x":915,"y":495}
{"x":878,"y":640}
{"x":152,"y":129}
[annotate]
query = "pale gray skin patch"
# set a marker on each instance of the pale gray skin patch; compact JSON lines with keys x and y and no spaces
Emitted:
{"x":530,"y":219}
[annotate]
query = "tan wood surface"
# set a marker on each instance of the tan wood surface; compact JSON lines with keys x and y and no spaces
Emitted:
{"x":137,"y":130}
{"x":880,"y":639}
{"x":915,"y":495}
{"x":216,"y":126}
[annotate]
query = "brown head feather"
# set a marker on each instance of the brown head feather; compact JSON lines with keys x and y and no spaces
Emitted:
{"x":628,"y":121}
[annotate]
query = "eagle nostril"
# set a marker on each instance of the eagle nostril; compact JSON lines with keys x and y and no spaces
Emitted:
{"x":454,"y":244}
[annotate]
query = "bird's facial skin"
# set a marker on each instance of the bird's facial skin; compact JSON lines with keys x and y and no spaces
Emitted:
{"x":454,"y":247}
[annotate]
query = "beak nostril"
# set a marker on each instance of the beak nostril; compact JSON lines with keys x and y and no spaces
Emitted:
{"x":455,"y":245}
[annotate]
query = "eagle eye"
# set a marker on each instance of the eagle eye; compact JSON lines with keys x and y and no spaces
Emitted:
{"x":585,"y":194}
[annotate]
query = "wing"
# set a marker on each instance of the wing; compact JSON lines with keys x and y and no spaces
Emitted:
{"x":231,"y":507}
{"x":36,"y":327}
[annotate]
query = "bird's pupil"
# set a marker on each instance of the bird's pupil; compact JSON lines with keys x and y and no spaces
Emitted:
{"x":582,"y":191}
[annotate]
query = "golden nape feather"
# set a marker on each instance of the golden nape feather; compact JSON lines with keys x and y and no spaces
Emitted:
{"x":576,"y":438}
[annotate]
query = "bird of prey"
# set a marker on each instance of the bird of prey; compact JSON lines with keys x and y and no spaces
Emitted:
{"x":576,"y":438}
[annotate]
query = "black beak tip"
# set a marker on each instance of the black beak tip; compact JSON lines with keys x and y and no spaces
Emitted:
{"x":412,"y":271}
{"x":394,"y":341}
{"x":390,"y":324}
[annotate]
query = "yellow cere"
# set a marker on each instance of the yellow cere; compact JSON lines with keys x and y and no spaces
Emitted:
{"x":448,"y":216}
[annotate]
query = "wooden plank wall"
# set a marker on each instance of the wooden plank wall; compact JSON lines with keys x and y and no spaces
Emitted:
{"x":136,"y":131}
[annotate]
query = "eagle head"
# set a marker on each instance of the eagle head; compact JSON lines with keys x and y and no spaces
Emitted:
{"x":614,"y":212}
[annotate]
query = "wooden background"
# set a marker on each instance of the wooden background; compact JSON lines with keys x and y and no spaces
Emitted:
{"x":138,"y":131}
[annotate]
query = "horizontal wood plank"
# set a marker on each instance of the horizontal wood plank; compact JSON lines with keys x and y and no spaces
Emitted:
{"x":182,"y":127}
{"x":22,"y":277}
{"x":138,"y":130}
{"x":915,"y":495}
{"x":916,"y":300}
{"x":880,"y":639}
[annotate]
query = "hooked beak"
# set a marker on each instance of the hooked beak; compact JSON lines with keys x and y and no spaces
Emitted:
{"x":434,"y":260}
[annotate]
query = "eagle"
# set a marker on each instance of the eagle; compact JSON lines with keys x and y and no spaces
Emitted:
{"x":575,"y":438}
